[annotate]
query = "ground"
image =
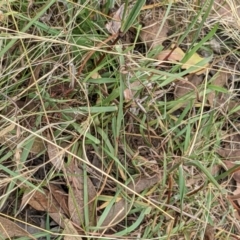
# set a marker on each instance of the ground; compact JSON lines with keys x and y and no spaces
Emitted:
{"x":119,"y":119}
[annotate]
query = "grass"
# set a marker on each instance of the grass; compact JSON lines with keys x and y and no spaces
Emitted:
{"x":141,"y":166}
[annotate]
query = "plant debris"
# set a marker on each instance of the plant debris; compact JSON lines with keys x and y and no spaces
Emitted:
{"x":122,"y":125}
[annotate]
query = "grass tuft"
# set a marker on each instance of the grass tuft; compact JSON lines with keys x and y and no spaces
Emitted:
{"x":127,"y":133}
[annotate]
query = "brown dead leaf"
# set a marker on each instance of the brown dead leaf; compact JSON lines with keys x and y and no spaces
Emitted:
{"x":11,"y":140}
{"x":44,"y":201}
{"x":209,"y":233}
{"x":154,"y":5}
{"x":236,"y":193}
{"x":120,"y":209}
{"x":215,"y":170}
{"x":38,"y":146}
{"x":230,"y":154}
{"x":236,"y":174}
{"x":2,"y":17}
{"x":76,"y":198}
{"x":115,"y":24}
{"x":40,"y":201}
{"x":53,"y":201}
{"x":184,"y":87}
{"x":130,"y":91}
{"x":59,"y":218}
{"x":231,"y":148}
{"x":142,"y":183}
{"x":95,"y":75}
{"x":176,"y":55}
{"x":35,"y":75}
{"x":220,"y":80}
{"x":227,"y":104}
{"x":60,"y":196}
{"x":117,"y":213}
{"x":232,"y":141}
{"x":70,"y":230}
{"x":154,"y":33}
{"x":234,"y":199}
{"x":9,"y":229}
{"x":55,"y":156}
{"x":7,"y":129}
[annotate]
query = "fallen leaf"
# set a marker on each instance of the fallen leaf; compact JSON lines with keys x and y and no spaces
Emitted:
{"x":116,"y":214}
{"x":1,"y":16}
{"x":53,"y":201}
{"x":177,"y":54}
{"x":230,"y":152}
{"x":35,"y":75}
{"x":114,"y":25}
{"x":46,"y":201}
{"x":9,"y":229}
{"x":154,"y":33}
{"x":184,"y":87}
{"x":236,"y":174}
{"x":236,"y":193}
{"x":95,"y":75}
{"x":231,"y":148}
{"x":97,"y":177}
{"x":227,"y":105}
{"x":7,"y":129}
{"x":70,"y":230}
{"x":142,"y":183}
{"x":60,"y":196}
{"x":236,"y":198}
{"x":154,"y":5}
{"x":130,"y":91}
{"x":38,"y":146}
{"x":11,"y":141}
{"x":232,"y":140}
{"x":55,"y":156}
{"x":220,"y":79}
{"x":233,"y":155}
{"x":120,"y":209}
{"x":59,"y":218}
{"x":29,"y":227}
{"x":209,"y":233}
{"x":39,"y":201}
{"x":215,"y":170}
{"x":76,"y":195}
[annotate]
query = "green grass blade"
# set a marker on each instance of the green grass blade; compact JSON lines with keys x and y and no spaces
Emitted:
{"x":134,"y":13}
{"x":209,"y":176}
{"x":28,"y":25}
